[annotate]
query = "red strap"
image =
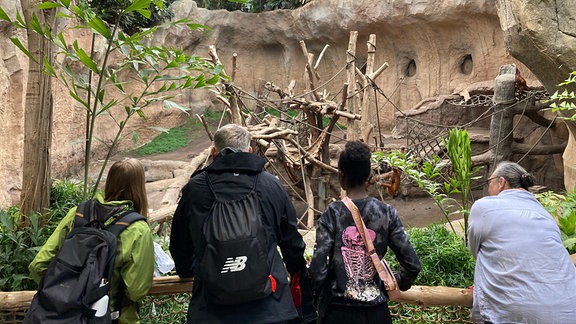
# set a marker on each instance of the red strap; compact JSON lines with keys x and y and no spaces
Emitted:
{"x":272,"y":283}
{"x":296,"y":290}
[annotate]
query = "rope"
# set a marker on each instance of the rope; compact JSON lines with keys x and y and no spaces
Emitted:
{"x":539,"y":139}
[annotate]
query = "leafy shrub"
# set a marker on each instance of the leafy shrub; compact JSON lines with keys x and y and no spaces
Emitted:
{"x":446,"y":261}
{"x":114,"y":13}
{"x":64,"y":195}
{"x":563,"y":209}
{"x":250,"y":5}
{"x":18,"y":247}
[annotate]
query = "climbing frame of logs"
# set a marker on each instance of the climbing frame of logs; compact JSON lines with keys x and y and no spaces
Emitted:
{"x":297,"y":138}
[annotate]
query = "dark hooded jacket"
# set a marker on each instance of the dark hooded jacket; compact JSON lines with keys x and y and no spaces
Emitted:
{"x":232,"y":177}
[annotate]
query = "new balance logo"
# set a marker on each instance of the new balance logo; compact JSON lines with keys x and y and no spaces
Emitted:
{"x":234,"y":264}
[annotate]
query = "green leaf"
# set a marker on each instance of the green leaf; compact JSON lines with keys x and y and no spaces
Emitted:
{"x":167,"y":104}
{"x":110,"y":104}
{"x":197,"y":26}
{"x":78,"y":99}
{"x":48,"y":68}
{"x":141,"y":6}
{"x":135,"y":137}
{"x":213,"y":80}
{"x":567,"y":223}
{"x":24,"y":50}
{"x":160,"y":129}
{"x":48,"y":5}
{"x":570,"y":244}
{"x":20,"y":20}
{"x":140,"y":113}
{"x":4,"y":16}
{"x":99,"y":27}
{"x":35,"y":25}
{"x":85,"y":59}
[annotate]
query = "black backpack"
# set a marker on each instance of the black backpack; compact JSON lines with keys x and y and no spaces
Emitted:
{"x":234,"y":266}
{"x":80,"y":273}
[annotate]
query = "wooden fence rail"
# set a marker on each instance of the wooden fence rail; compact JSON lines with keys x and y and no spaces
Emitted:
{"x":14,"y":304}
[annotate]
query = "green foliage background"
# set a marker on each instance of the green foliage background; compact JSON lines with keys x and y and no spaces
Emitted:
{"x":250,"y":5}
{"x":19,"y":246}
{"x":446,"y":261}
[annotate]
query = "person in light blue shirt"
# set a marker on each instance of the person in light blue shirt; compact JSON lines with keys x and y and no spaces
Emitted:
{"x":523,"y":272}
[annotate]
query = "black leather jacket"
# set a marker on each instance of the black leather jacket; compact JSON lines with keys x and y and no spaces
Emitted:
{"x":232,"y":176}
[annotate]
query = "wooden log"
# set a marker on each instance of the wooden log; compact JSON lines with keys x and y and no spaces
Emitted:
{"x":374,"y":75}
{"x":320,"y":57}
{"x":161,"y":214}
{"x":351,"y":80}
{"x":347,"y":115}
{"x":309,"y":199}
{"x":312,"y":159}
{"x":310,"y":70}
{"x":234,"y":66}
{"x":417,"y":295}
{"x":171,"y":285}
{"x":366,"y":125}
{"x":276,"y":135}
{"x":205,"y":124}
{"x":16,"y":300}
{"x":436,"y":296}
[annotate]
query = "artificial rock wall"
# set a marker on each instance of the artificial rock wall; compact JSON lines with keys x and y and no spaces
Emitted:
{"x":433,"y":47}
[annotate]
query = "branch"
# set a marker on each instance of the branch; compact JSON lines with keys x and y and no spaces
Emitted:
{"x":312,"y":159}
{"x":521,"y":148}
{"x":205,"y":124}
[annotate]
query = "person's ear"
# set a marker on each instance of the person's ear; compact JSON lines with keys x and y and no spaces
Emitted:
{"x":249,"y":149}
{"x":341,"y":180}
{"x":213,"y":152}
{"x":501,"y":184}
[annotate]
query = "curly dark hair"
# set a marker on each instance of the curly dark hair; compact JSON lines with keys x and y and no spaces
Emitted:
{"x":354,"y":164}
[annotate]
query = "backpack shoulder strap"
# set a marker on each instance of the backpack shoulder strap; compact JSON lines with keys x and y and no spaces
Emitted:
{"x":83,"y":213}
{"x":123,"y":221}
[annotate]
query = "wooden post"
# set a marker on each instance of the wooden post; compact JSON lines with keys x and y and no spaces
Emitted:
{"x":351,"y":76}
{"x":501,"y":124}
{"x":366,"y":113}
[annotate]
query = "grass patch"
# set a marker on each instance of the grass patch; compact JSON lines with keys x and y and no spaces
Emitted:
{"x":179,"y":137}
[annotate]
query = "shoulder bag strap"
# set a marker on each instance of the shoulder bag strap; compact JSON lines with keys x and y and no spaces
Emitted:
{"x":384,"y":271}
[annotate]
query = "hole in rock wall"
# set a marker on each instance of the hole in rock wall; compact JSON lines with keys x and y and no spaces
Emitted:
{"x":410,"y":70}
{"x":466,"y":65}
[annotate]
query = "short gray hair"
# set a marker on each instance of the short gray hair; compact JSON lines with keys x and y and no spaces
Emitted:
{"x":515,"y":175}
{"x":233,"y":136}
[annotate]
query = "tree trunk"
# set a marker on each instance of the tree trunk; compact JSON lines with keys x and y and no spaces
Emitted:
{"x":36,"y":174}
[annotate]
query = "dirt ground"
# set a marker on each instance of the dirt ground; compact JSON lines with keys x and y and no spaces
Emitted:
{"x":414,"y":211}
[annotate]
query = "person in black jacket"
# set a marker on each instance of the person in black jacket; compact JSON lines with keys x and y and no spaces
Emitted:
{"x":232,"y":176}
{"x":347,"y":286}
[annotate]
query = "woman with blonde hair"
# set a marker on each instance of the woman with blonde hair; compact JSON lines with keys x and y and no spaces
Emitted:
{"x":125,"y":189}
